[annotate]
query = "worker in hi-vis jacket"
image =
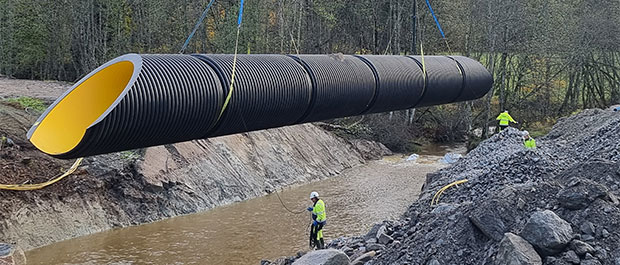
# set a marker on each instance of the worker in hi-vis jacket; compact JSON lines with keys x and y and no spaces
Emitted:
{"x":504,"y":119}
{"x":319,"y":217}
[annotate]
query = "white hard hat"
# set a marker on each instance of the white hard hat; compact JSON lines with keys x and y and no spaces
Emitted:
{"x":525,"y":133}
{"x":314,"y":194}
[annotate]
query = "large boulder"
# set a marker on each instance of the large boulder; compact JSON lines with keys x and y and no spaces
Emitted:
{"x":514,"y":250}
{"x":11,"y":255}
{"x":323,"y":257}
{"x":490,"y":224}
{"x":581,"y":193}
{"x":547,"y":232}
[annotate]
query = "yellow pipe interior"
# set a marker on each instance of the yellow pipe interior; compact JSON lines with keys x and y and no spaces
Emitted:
{"x":65,"y":125}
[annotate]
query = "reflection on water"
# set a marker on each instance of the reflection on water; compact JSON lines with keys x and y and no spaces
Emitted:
{"x":246,"y":232}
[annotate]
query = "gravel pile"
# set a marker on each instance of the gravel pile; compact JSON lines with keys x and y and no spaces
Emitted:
{"x":557,"y":204}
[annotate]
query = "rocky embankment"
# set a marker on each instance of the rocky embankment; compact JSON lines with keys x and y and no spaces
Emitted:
{"x":555,"y":205}
{"x":140,"y":186}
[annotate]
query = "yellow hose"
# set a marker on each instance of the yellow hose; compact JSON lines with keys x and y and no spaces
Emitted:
{"x":44,"y":184}
{"x":435,"y":199}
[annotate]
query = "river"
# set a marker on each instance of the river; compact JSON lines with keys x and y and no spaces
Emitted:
{"x":260,"y":228}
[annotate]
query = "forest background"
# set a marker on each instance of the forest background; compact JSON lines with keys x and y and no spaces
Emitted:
{"x":549,"y":58}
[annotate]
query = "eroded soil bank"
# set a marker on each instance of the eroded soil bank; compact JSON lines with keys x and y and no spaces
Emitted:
{"x":142,"y":186}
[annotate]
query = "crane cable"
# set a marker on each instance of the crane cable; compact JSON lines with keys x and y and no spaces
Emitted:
{"x":191,"y":35}
{"x":227,"y":101}
{"x":443,"y":37}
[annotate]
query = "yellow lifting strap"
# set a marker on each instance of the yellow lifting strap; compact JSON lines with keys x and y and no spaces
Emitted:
{"x":37,"y":186}
{"x":435,"y":199}
{"x":232,"y":78}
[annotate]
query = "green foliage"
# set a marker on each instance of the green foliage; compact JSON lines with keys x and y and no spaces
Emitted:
{"x":29,"y":103}
{"x":130,"y":156}
{"x":548,"y":57}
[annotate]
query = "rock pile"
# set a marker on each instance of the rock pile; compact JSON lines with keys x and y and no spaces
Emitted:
{"x":555,"y":205}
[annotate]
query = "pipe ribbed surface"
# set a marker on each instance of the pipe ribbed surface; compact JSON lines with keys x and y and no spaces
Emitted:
{"x":444,"y":81}
{"x":476,"y":81}
{"x":269,"y":91}
{"x":137,"y":101}
{"x":400,"y":82}
{"x":173,"y":98}
{"x":343,"y":86}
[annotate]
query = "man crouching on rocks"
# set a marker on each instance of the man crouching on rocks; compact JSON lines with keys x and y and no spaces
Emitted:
{"x":319,"y":218}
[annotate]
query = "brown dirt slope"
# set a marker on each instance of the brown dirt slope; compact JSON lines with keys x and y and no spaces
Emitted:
{"x":151,"y":184}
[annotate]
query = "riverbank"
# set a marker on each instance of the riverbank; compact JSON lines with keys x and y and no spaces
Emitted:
{"x":247,"y":231}
{"x":557,"y":204}
{"x":143,"y":186}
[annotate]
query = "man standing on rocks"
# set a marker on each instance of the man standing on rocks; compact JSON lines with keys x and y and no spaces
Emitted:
{"x":319,"y":218}
{"x":528,"y":141}
{"x":504,"y":119}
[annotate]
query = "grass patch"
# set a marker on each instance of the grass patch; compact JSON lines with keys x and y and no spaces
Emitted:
{"x":131,"y":155}
{"x":541,"y":128}
{"x":28,"y":103}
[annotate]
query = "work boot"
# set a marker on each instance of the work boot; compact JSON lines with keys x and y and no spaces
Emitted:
{"x":321,"y":244}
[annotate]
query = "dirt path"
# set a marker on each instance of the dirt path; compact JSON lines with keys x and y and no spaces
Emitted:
{"x":47,"y":90}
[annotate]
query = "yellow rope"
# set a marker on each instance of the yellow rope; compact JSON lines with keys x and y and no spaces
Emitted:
{"x":423,"y":63}
{"x":435,"y":199}
{"x":232,"y":77}
{"x":37,"y":186}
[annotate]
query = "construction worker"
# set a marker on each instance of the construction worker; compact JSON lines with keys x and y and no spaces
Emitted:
{"x":504,"y":119}
{"x":528,"y":141}
{"x":319,"y":218}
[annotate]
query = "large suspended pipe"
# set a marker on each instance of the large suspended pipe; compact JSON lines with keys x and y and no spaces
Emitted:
{"x":137,"y":101}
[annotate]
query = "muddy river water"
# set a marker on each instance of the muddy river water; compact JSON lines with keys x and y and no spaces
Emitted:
{"x":261,"y":228}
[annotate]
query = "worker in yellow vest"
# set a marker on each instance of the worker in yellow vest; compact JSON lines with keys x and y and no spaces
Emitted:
{"x":319,"y":218}
{"x":504,"y":119}
{"x":528,"y":141}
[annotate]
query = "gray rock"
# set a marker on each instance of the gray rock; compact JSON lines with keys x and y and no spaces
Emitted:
{"x":605,"y":233}
{"x":617,"y":261}
{"x":323,"y":257}
{"x":443,"y":208}
{"x":372,"y":233}
{"x":382,"y":230}
{"x":571,"y":257}
{"x":587,"y":238}
{"x":385,"y":239}
{"x":514,"y":250}
{"x":600,"y":253}
{"x":358,"y":253}
{"x":590,"y":262}
{"x":375,"y":247}
{"x":433,"y":262}
{"x":587,"y":228}
{"x":581,"y":195}
{"x":364,"y":258}
{"x":547,"y":232}
{"x":349,"y":251}
{"x":581,"y":248}
{"x":613,"y":199}
{"x":490,"y":224}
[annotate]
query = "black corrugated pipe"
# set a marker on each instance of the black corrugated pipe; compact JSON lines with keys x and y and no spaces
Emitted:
{"x":137,"y":101}
{"x":283,"y":85}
